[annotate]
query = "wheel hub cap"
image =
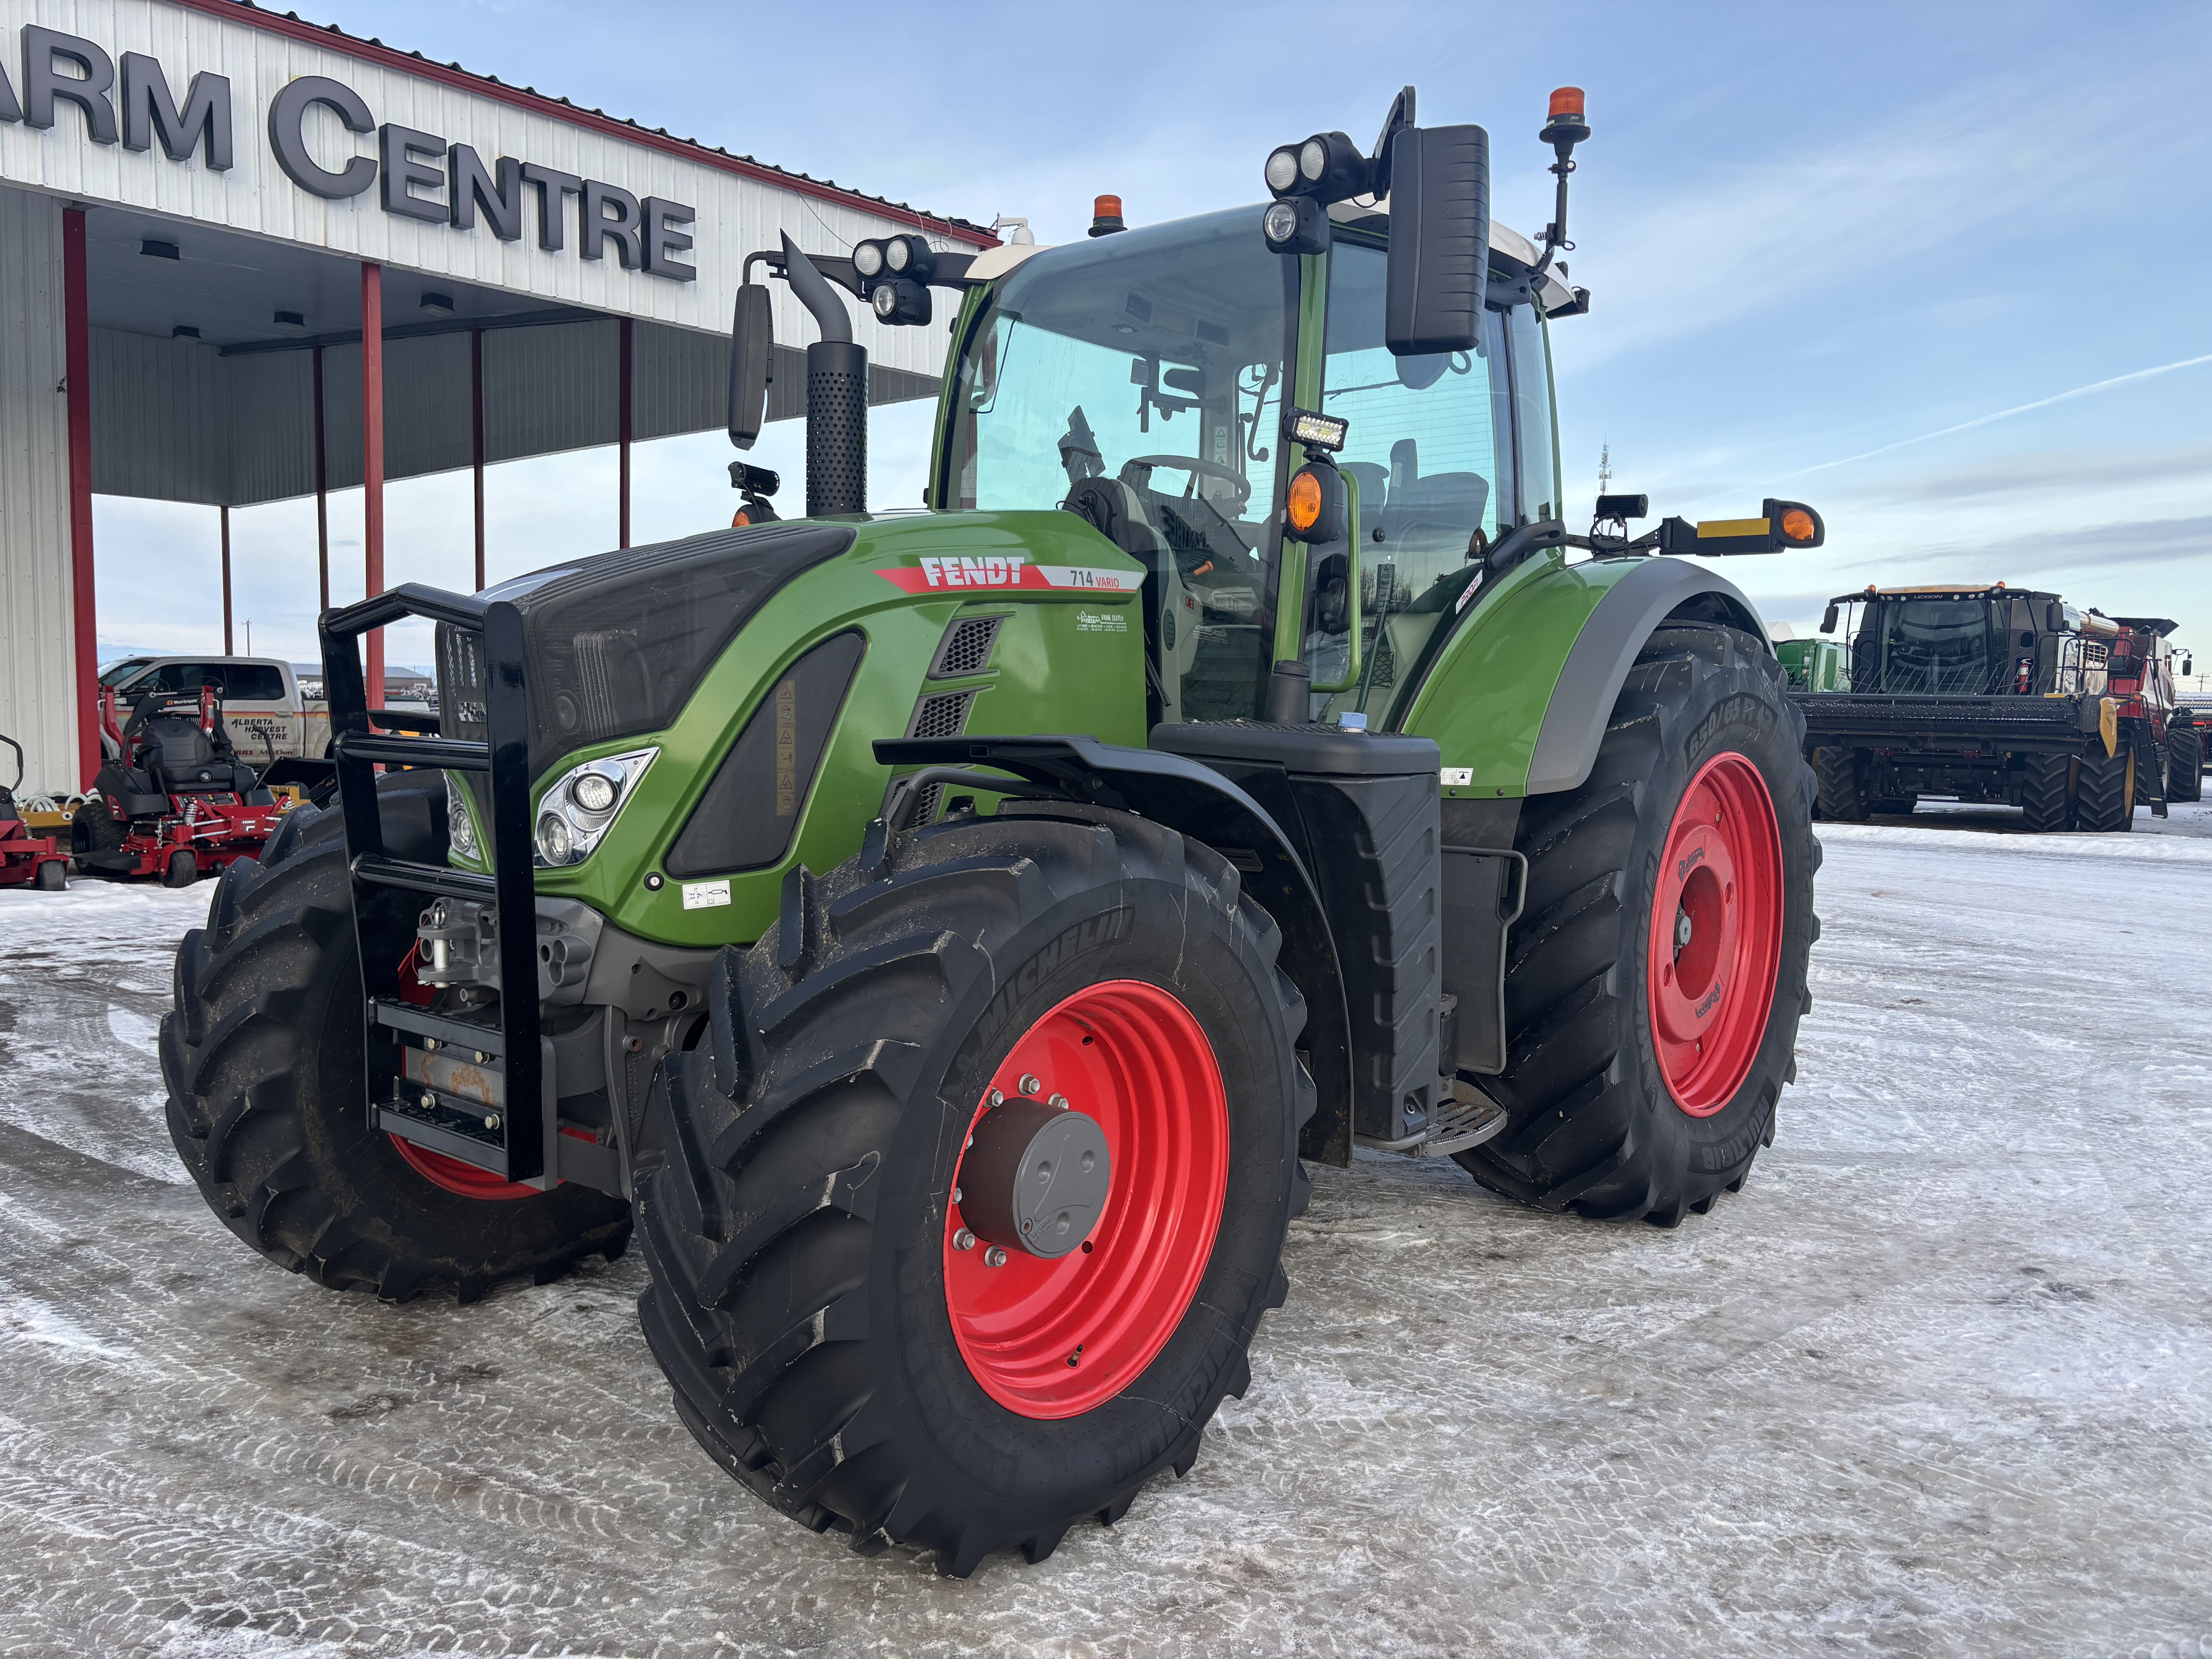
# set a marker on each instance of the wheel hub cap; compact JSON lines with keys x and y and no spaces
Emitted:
{"x":1035,"y":1177}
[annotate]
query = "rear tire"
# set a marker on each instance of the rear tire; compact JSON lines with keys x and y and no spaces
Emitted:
{"x":2046,"y":793}
{"x":1840,"y":798}
{"x":2105,"y":800}
{"x":262,"y":1054}
{"x":804,"y":1281}
{"x":2185,"y":763}
{"x":1594,"y":1123}
{"x":94,"y":828}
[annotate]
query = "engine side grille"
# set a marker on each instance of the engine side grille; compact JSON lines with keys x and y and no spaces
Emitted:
{"x":966,"y":648}
{"x":941,"y":714}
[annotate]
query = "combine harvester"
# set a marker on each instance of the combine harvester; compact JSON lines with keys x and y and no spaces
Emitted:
{"x":2002,"y":695}
{"x":944,"y":933}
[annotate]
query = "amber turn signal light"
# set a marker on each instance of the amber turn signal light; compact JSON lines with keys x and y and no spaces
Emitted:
{"x":1314,"y":508}
{"x":1797,"y":525}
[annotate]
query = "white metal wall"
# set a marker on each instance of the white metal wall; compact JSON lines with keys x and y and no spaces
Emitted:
{"x":37,"y":699}
{"x":737,"y":214}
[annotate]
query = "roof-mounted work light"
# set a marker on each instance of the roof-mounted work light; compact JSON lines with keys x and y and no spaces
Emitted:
{"x":1298,"y":224}
{"x":1328,"y":167}
{"x":899,"y":299}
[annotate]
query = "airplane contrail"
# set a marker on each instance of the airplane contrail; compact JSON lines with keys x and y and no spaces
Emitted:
{"x":2005,"y":414}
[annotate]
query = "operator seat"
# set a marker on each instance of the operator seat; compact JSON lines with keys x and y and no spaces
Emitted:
{"x":165,"y":742}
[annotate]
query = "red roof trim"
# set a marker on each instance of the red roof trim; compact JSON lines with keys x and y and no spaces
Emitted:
{"x":375,"y":52}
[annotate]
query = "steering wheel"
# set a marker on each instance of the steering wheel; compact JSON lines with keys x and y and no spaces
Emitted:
{"x":1194,"y":466}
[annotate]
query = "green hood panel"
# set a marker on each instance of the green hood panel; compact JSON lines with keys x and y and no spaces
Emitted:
{"x":1068,"y":658}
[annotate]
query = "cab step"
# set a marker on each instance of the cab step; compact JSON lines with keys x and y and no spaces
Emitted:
{"x":1464,"y":1118}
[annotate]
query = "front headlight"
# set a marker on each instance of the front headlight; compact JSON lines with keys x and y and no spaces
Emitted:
{"x":581,"y":806}
{"x":460,"y":828}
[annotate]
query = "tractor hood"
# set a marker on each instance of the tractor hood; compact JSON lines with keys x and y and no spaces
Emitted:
{"x":617,"y":642}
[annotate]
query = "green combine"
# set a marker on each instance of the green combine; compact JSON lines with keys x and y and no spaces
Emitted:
{"x":946,"y":936}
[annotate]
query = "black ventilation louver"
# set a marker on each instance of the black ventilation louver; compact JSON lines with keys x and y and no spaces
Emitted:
{"x":941,"y":714}
{"x":966,"y":648}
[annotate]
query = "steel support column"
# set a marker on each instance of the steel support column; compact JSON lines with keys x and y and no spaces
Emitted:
{"x":475,"y":440}
{"x":372,"y":458}
{"x":322,"y":493}
{"x":223,"y":515}
{"x":622,"y":403}
{"x":77,"y":368}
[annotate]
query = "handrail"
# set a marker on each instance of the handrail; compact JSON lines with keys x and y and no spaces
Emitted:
{"x":457,"y":753}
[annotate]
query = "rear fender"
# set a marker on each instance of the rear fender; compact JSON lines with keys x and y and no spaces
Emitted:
{"x":1200,"y":802}
{"x":1518,"y":697}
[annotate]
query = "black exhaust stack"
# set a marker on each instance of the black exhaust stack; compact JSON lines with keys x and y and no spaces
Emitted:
{"x":836,"y":397}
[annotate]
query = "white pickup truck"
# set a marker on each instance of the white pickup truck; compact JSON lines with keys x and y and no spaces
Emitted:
{"x":269,"y":719}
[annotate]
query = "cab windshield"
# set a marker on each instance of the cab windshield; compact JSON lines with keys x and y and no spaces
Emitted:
{"x":1152,"y":362}
{"x":1927,"y":648}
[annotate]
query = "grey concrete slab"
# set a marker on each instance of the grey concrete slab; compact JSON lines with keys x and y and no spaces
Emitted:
{"x":1938,"y":1380}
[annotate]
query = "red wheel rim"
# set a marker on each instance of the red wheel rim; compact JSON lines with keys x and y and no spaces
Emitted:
{"x":1716,"y":934}
{"x":436,"y":1168}
{"x":1053,"y":1339}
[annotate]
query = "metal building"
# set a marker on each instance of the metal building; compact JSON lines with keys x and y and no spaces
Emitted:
{"x":245,"y":259}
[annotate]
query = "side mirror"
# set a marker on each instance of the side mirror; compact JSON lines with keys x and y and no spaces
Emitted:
{"x":752,"y":340}
{"x":2054,"y":618}
{"x":1439,"y":262}
{"x":1828,"y":620}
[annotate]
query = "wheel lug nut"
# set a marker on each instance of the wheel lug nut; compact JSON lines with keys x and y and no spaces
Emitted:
{"x":997,"y":1098}
{"x":1029,"y":1084}
{"x":964,"y":1240}
{"x":1060,"y":1101}
{"x":996,"y":1256}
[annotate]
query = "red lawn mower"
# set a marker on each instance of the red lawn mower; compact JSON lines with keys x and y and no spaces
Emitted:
{"x":174,"y":800}
{"x":25,"y":860}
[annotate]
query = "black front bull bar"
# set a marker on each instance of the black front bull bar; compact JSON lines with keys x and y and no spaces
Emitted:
{"x":479,"y":1091}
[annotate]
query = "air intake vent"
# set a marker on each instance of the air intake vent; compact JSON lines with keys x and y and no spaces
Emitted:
{"x":966,"y":648}
{"x":940,"y":715}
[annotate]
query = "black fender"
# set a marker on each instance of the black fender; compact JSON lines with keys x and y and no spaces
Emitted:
{"x":1200,"y":802}
{"x":1598,"y":662}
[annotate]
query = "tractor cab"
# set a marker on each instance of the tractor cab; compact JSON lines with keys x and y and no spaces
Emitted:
{"x":1142,"y":380}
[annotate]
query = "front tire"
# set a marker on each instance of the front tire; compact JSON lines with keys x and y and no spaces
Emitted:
{"x":2105,"y":801}
{"x":1655,"y":980}
{"x":2185,"y":763}
{"x":831,"y":1342}
{"x":262,"y":1054}
{"x":1840,"y":796}
{"x":2046,"y":793}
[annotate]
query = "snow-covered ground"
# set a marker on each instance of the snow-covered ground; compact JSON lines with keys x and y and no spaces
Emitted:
{"x":1938,"y":1381}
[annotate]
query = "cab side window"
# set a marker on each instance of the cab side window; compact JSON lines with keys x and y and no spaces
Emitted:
{"x":1539,"y":466}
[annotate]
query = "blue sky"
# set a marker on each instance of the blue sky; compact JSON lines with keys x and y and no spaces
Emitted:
{"x":1827,"y":245}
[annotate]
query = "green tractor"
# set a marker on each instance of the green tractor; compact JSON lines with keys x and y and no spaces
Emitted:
{"x":945,"y":935}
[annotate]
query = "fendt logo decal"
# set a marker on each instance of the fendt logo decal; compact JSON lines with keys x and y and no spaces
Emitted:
{"x":1006,"y":570}
{"x":1695,"y":857}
